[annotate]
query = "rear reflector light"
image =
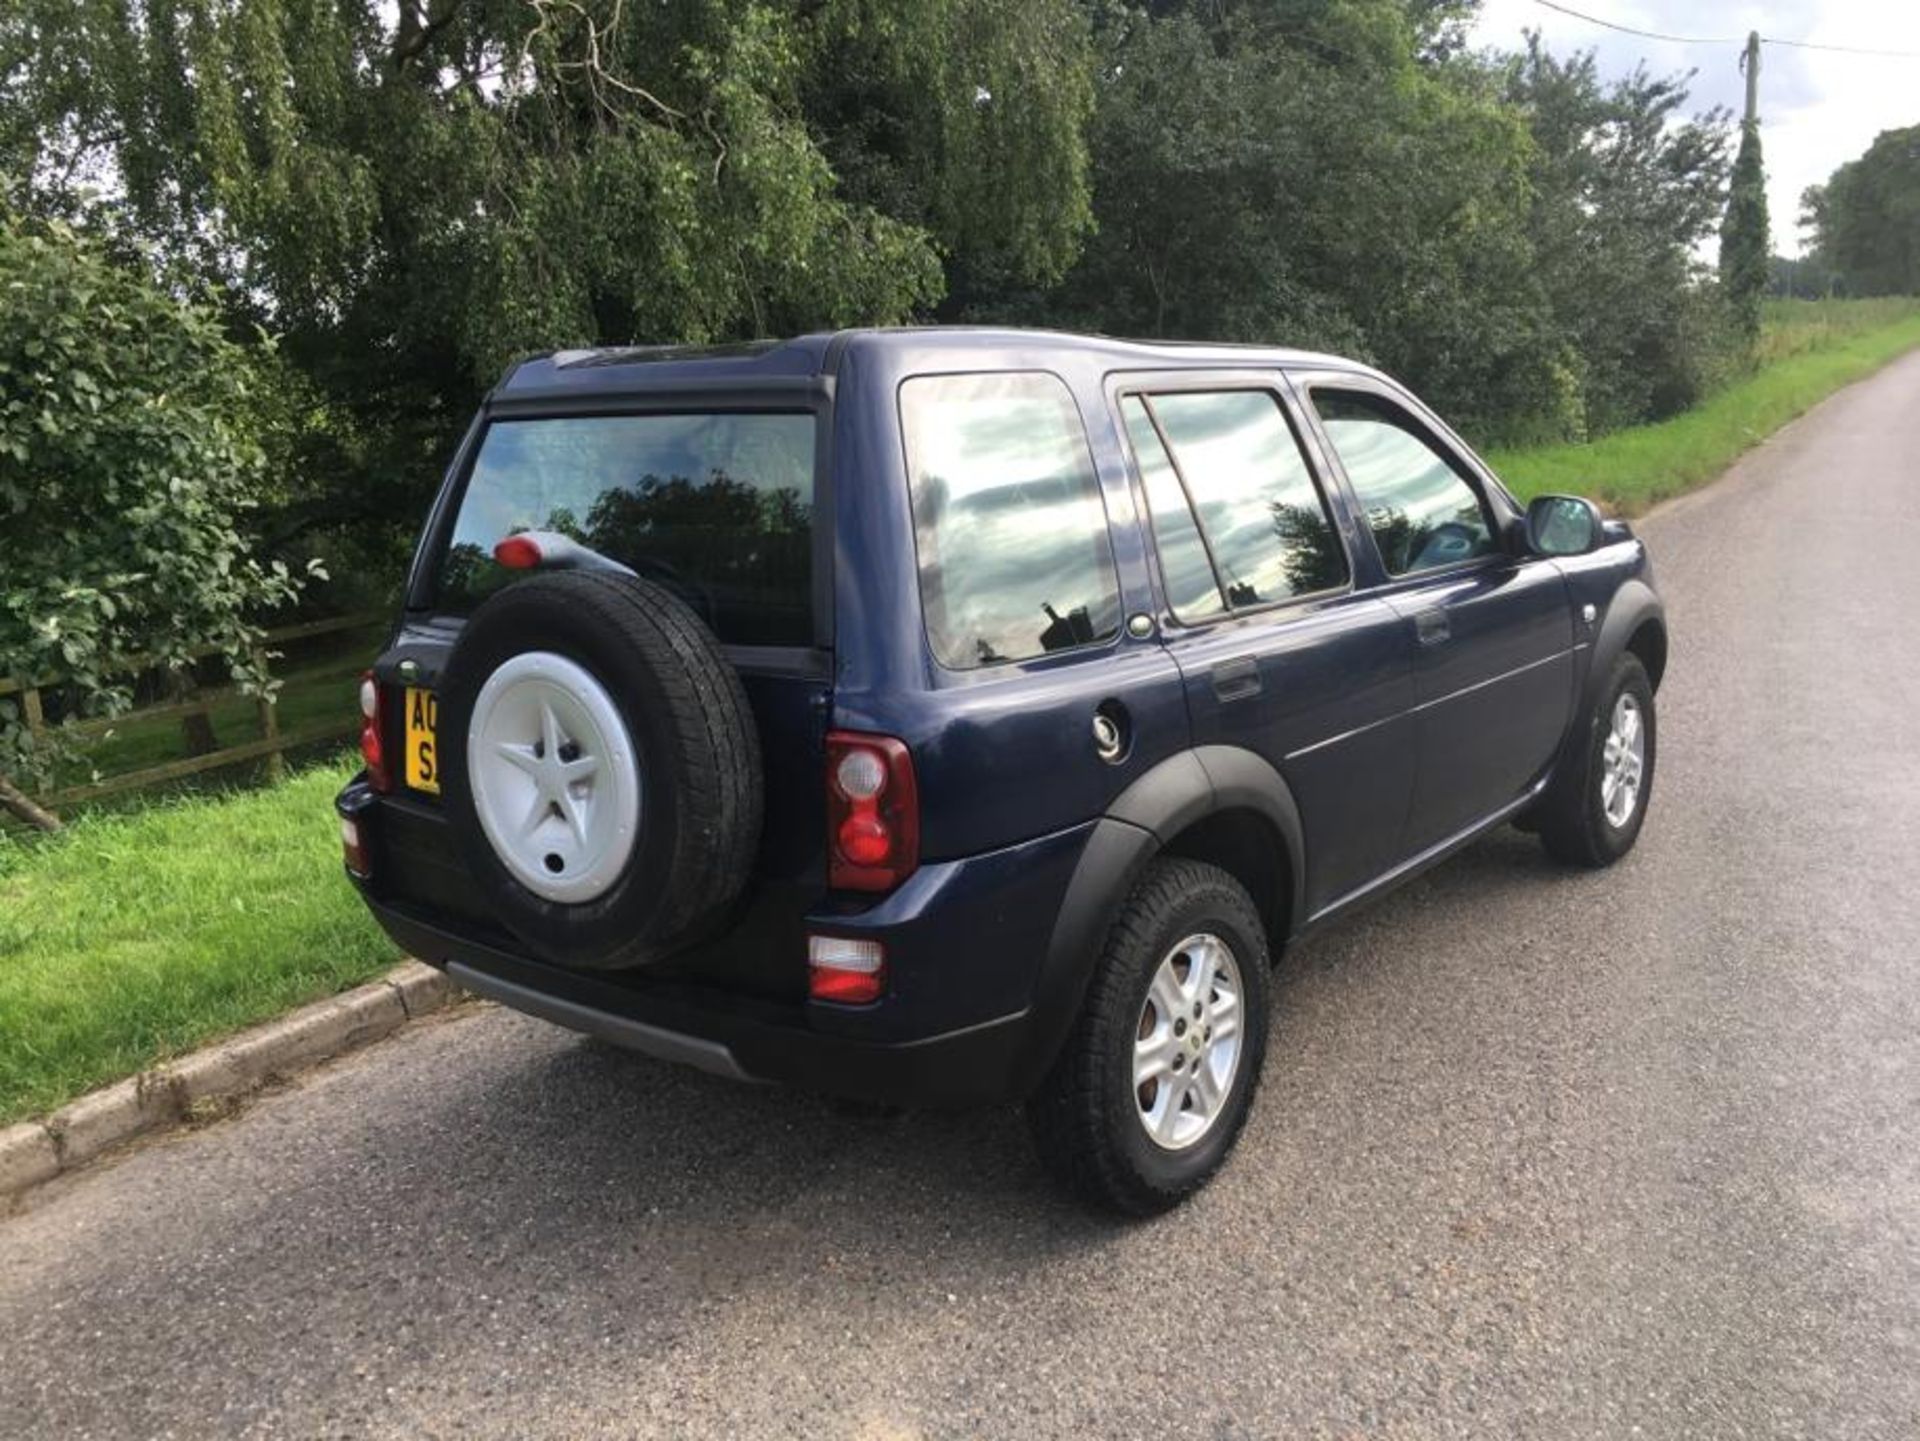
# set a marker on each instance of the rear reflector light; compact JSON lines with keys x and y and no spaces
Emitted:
{"x":851,"y":972}
{"x":372,"y":749}
{"x":518,"y":552}
{"x":355,"y":852}
{"x":873,"y":812}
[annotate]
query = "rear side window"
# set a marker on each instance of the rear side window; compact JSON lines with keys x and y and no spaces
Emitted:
{"x":1423,"y":514}
{"x":1185,"y":569}
{"x":1015,"y":559}
{"x":1265,"y":525}
{"x":716,"y":507}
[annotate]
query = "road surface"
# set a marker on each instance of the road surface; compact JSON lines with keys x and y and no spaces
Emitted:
{"x":1537,"y":1153}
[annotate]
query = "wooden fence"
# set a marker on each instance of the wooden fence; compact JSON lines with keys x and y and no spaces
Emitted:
{"x":272,"y":745}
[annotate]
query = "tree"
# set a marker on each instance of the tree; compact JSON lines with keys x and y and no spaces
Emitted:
{"x":127,"y":455}
{"x":1622,"y":191}
{"x":410,"y":194}
{"x":1298,"y":173}
{"x":1744,"y":242}
{"x":1865,"y":221}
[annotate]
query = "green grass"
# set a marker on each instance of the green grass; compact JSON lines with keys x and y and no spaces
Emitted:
{"x":1809,"y":349}
{"x":137,"y":936}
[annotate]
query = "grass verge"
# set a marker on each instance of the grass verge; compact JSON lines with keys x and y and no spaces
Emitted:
{"x":1819,"y":351}
{"x":134,"y":937}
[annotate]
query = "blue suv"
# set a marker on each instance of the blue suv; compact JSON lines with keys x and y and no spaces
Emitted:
{"x":953,"y":716}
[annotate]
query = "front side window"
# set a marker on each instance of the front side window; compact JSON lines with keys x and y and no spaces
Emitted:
{"x":716,"y":507}
{"x":1015,"y":560}
{"x":1268,"y":534}
{"x":1422,"y":512}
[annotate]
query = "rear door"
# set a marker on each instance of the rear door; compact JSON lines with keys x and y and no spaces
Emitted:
{"x":1280,"y":653}
{"x":1492,"y":629}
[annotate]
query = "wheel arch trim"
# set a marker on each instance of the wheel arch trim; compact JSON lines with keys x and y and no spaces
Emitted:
{"x":1634,"y":606}
{"x":1186,"y":788}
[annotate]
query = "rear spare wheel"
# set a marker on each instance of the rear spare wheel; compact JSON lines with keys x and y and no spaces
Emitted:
{"x":600,"y":769}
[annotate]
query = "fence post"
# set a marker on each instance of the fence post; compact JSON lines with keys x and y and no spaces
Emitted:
{"x":12,"y":799}
{"x":36,"y":716}
{"x":270,"y":725}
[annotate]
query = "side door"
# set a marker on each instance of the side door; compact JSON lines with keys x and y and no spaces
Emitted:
{"x":1279,"y":652}
{"x":1492,"y":626}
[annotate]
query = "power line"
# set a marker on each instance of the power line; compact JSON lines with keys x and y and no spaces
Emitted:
{"x":1644,"y":34}
{"x":1846,"y":49}
{"x":1725,"y":40}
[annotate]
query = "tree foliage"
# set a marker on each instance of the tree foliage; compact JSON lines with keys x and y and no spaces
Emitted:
{"x":127,"y":457}
{"x":1511,"y":235}
{"x":1866,"y":219}
{"x":1623,"y":189}
{"x":1745,"y":244}
{"x":409,"y":196}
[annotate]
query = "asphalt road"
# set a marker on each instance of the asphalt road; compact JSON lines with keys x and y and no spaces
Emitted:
{"x":1537,"y":1153}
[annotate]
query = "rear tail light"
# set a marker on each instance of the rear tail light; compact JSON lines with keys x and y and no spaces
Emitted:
{"x":851,"y":972}
{"x":353,"y":848}
{"x":372,"y":749}
{"x":873,"y":812}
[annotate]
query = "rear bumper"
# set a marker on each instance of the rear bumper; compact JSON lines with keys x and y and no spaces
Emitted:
{"x":966,"y":941}
{"x":741,"y":1037}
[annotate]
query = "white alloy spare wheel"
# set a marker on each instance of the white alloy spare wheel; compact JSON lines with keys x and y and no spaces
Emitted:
{"x":602,"y":774}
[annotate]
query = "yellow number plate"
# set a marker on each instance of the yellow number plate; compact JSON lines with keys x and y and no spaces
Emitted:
{"x":423,"y":719}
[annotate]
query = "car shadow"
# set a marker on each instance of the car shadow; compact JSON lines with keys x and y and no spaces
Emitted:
{"x":618,"y":1134}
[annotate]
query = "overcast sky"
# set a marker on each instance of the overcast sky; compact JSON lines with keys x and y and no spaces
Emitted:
{"x":1817,"y":110}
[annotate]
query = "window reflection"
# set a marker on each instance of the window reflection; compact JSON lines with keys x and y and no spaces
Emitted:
{"x":1262,"y":513}
{"x":1012,"y":537}
{"x":1184,"y":568}
{"x":1422,"y":513}
{"x":717,"y":508}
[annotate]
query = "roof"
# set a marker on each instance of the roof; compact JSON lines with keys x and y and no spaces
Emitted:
{"x":808,"y":357}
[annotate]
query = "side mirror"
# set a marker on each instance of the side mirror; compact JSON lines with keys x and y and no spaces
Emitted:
{"x":1564,"y":525}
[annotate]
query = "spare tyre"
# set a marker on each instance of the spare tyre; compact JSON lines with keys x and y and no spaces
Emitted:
{"x":601,"y":771}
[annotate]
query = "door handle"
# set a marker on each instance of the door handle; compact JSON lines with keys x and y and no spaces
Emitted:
{"x":1236,"y":679}
{"x":1432,"y":626}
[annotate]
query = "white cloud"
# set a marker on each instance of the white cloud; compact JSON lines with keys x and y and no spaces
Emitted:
{"x":1817,"y":109}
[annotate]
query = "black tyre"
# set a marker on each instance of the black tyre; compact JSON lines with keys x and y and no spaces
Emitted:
{"x":1592,"y":815}
{"x":1144,"y":1101}
{"x":600,"y":769}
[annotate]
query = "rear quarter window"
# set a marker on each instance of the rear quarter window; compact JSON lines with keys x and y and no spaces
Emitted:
{"x":716,"y":507}
{"x":1011,"y":534}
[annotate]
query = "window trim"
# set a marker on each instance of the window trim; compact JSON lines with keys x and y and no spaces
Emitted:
{"x":1145,"y":385}
{"x":1426,"y":428}
{"x":1046,"y":658}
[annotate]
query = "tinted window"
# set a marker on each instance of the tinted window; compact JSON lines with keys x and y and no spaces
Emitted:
{"x":718,"y":508}
{"x":1184,"y":567}
{"x":1012,"y":537}
{"x":1422,"y":513}
{"x":1263,"y":515}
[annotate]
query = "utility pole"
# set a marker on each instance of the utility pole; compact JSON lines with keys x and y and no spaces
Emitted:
{"x":1745,"y":248}
{"x":1750,"y":64}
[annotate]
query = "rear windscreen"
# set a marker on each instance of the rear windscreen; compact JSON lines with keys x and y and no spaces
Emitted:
{"x":717,"y":507}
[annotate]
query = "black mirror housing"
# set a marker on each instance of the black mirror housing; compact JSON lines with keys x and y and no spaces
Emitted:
{"x":1564,"y":525}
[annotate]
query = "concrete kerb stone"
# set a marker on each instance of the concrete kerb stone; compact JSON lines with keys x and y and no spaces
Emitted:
{"x":213,"y":1080}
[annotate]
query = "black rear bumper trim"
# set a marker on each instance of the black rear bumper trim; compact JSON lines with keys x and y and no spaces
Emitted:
{"x":655,"y":1041}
